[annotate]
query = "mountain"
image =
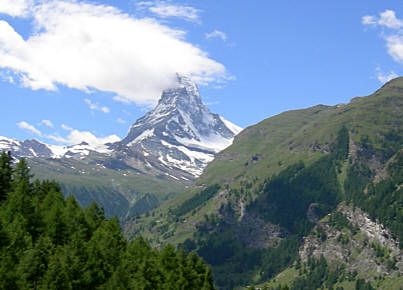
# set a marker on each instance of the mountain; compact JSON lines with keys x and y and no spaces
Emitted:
{"x":323,"y":182}
{"x":33,"y":148}
{"x":162,"y":154}
{"x":180,"y":131}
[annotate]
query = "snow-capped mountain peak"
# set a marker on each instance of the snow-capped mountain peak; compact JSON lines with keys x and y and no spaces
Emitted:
{"x":33,"y":148}
{"x":181,"y":131}
{"x":178,"y":138}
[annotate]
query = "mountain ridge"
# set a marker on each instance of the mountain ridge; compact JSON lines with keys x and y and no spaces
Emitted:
{"x":168,"y":147}
{"x":279,"y":178}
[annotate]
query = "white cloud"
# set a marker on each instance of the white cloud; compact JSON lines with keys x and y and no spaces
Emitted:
{"x":368,"y":19}
{"x":388,"y":19}
{"x":121,"y":99}
{"x":165,"y":10}
{"x":216,"y":34}
{"x":394,"y":37}
{"x":29,"y":127}
{"x":395,"y":47}
{"x":77,"y":137}
{"x":6,"y":77}
{"x":66,"y":128}
{"x":87,"y":46}
{"x":385,"y":77}
{"x":47,"y":123}
{"x":120,"y":121}
{"x":96,"y":107}
{"x":15,"y":7}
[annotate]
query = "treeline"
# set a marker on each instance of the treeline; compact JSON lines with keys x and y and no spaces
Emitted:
{"x":317,"y":274}
{"x":47,"y":242}
{"x":382,"y":200}
{"x":196,"y":200}
{"x":287,"y":196}
{"x":284,"y":200}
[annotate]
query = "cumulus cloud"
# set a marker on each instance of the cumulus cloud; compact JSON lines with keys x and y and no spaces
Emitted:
{"x":96,"y":107}
{"x":165,"y":10}
{"x":29,"y":127}
{"x":47,"y":123}
{"x":216,"y":34}
{"x":15,"y":7}
{"x":394,"y":44}
{"x":84,"y":46}
{"x":388,"y":19}
{"x":120,"y":121}
{"x":77,"y":137}
{"x":394,"y":34}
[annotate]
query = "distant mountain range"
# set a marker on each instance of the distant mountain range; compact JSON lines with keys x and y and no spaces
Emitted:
{"x":169,"y":147}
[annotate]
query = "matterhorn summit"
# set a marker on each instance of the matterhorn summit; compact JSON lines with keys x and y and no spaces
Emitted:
{"x":180,"y":131}
{"x":177,"y":139}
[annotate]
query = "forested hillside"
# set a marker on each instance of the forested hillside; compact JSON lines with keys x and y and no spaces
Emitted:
{"x":48,"y":242}
{"x":251,"y":211}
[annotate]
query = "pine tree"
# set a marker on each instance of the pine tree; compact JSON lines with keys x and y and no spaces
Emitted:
{"x":47,"y":242}
{"x":5,"y":175}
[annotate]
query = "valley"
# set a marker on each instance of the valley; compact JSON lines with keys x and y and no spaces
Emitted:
{"x":201,"y":145}
{"x":305,"y":199}
{"x":248,"y":213}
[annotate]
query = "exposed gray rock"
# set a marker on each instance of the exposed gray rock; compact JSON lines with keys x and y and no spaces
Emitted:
{"x":355,"y":249}
{"x":180,"y":131}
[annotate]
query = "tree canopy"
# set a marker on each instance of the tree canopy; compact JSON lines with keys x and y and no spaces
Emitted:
{"x":49,"y":242}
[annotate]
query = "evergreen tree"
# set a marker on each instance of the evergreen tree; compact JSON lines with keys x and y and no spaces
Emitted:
{"x":5,"y":174}
{"x":47,"y":242}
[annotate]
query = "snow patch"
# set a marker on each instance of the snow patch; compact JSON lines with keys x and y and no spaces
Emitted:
{"x":146,"y":134}
{"x":233,"y":128}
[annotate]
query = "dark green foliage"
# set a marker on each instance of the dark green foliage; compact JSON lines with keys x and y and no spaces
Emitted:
{"x":196,"y":200}
{"x":5,"y":175}
{"x":233,"y":264}
{"x":284,"y":200}
{"x":47,"y":242}
{"x":384,"y":200}
{"x":144,"y":204}
{"x":360,"y":284}
{"x":391,"y":143}
{"x":319,"y":275}
{"x":338,"y":221}
{"x":341,"y":147}
{"x":287,"y":196}
{"x":111,"y":199}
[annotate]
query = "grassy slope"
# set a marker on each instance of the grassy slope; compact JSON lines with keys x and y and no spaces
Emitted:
{"x":115,"y":190}
{"x":265,"y":149}
{"x":302,"y":134}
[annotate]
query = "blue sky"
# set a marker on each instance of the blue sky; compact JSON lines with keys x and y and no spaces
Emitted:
{"x":73,"y":69}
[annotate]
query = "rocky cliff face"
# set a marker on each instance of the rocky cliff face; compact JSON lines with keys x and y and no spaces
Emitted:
{"x":180,"y":131}
{"x":353,"y":239}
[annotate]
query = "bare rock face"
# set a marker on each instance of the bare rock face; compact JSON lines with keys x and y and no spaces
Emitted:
{"x":373,"y":231}
{"x":363,"y":245}
{"x":180,"y":131}
{"x":178,"y":138}
{"x":249,"y":228}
